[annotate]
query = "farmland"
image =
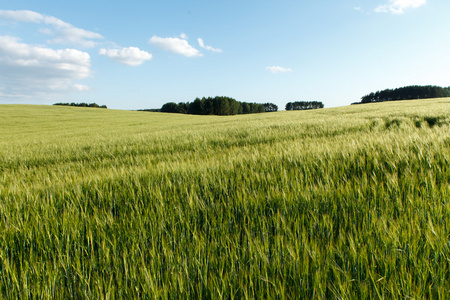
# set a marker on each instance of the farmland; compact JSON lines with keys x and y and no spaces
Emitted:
{"x":348,"y":202}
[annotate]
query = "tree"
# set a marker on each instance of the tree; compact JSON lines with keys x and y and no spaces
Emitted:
{"x":234,"y":106}
{"x":223,"y":106}
{"x":82,"y":104}
{"x":170,"y":107}
{"x":183,"y":108}
{"x":270,"y":107}
{"x":219,"y":105}
{"x":407,"y":93}
{"x":304,"y":105}
{"x":246,"y":108}
{"x":196,"y":107}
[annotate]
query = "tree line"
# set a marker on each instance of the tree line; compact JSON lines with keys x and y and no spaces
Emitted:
{"x":406,"y":93}
{"x":304,"y":105}
{"x":82,"y":104}
{"x":222,"y":106}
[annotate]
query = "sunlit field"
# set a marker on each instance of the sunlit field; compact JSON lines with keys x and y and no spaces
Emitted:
{"x":349,"y":202}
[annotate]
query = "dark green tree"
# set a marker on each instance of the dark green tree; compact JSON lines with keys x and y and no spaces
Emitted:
{"x":82,"y":104}
{"x":196,"y":107}
{"x":170,"y":107}
{"x":407,"y":93}
{"x":219,"y":105}
{"x":304,"y":105}
{"x":270,"y":107}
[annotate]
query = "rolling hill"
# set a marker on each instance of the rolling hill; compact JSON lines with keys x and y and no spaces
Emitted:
{"x":348,"y":202}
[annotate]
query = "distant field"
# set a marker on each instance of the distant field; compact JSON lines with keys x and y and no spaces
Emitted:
{"x":350,"y":202}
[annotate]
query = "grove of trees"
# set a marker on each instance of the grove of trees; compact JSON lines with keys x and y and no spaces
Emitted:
{"x":407,"y":93}
{"x":221,"y":106}
{"x":303,"y":105}
{"x":270,"y":107}
{"x":82,"y":104}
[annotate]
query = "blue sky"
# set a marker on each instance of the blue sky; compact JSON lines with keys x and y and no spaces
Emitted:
{"x":141,"y":54}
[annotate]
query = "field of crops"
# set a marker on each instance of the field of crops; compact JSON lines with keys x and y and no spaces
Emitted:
{"x":350,"y":202}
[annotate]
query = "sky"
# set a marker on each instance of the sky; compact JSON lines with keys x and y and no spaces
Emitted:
{"x":140,"y":54}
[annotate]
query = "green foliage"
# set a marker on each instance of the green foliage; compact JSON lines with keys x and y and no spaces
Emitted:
{"x":407,"y":93}
{"x":329,"y":203}
{"x":221,"y":106}
{"x":150,"y":109}
{"x":304,"y":105}
{"x":171,"y":107}
{"x":82,"y":104}
{"x":270,"y":107}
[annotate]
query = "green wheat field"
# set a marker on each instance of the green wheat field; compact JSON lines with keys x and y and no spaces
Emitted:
{"x":339,"y":203}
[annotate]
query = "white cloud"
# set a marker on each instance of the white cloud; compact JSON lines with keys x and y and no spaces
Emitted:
{"x":64,"y":33}
{"x":209,"y":48}
{"x":278,"y":69}
{"x":76,"y":36}
{"x":31,"y":70}
{"x":175,"y":45}
{"x":21,"y":16}
{"x":81,"y":87}
{"x":131,"y":56}
{"x":399,"y":6}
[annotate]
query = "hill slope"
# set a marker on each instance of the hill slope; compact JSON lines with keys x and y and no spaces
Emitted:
{"x":346,"y":202}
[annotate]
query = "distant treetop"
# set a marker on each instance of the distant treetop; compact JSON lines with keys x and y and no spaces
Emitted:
{"x":81,"y":104}
{"x":304,"y":105}
{"x":222,"y":106}
{"x":407,"y":93}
